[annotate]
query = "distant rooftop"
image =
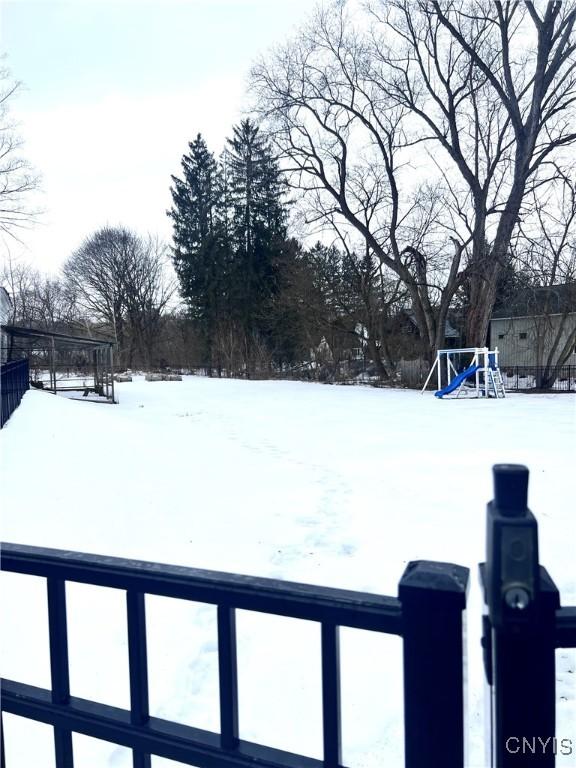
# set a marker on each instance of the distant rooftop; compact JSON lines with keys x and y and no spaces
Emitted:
{"x":5,"y":304}
{"x":450,"y":332}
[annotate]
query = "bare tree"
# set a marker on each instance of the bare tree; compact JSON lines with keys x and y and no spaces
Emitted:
{"x":345,"y":145}
{"x":493,"y":85}
{"x":147,"y":292}
{"x":55,"y":305}
{"x":488,"y":88}
{"x":17,"y":180}
{"x":96,"y":272}
{"x":120,"y":280}
{"x":20,"y":280}
{"x":37,"y":301}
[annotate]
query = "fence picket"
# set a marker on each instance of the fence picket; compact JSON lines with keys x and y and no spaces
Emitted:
{"x":228,"y":677}
{"x":138,"y":667}
{"x":331,"y":695}
{"x":59,"y":671}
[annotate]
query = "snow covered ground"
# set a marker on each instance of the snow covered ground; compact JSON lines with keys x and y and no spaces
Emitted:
{"x":338,"y":486}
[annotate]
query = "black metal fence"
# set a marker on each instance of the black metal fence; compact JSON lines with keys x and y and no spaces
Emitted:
{"x":523,"y":378}
{"x":13,"y":384}
{"x":427,"y":614}
{"x":523,"y":626}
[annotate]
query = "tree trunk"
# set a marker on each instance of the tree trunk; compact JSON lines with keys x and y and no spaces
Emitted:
{"x":376,"y":358}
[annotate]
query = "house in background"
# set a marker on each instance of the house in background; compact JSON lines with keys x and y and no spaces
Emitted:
{"x":535,"y":333}
{"x":5,"y":305}
{"x":537,"y":327}
{"x":406,"y":333}
{"x":5,"y":315}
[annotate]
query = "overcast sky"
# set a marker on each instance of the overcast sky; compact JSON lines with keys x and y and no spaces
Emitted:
{"x":113,"y":90}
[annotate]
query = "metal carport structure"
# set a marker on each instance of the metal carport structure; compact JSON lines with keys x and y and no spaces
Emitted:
{"x":64,"y":356}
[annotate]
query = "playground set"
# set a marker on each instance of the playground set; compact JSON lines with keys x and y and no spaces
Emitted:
{"x":479,"y":377}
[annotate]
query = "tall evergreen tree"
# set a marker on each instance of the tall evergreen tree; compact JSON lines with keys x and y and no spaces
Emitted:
{"x":200,"y":247}
{"x":229,"y":222}
{"x":258,"y":226}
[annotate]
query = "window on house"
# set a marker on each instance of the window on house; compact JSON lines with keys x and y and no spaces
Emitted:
{"x":500,"y":335}
{"x":522,"y":335}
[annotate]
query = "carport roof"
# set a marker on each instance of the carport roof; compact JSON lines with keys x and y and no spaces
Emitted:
{"x":61,"y":338}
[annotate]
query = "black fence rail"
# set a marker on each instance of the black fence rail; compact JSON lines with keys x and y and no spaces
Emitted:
{"x":523,"y":626}
{"x":427,"y":614}
{"x":13,"y":384}
{"x":523,"y":378}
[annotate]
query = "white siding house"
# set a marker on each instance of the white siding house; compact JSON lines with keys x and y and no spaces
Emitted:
{"x":535,"y":328}
{"x":5,"y":316}
{"x":529,"y":340}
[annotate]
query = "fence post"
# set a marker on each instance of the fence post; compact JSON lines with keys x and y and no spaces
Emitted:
{"x":520,"y":629}
{"x":433,"y":597}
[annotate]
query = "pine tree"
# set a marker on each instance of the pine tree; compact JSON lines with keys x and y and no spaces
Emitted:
{"x":200,"y":246}
{"x":258,"y":226}
{"x":229,"y":222}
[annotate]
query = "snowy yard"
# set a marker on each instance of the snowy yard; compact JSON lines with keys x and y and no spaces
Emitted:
{"x":338,"y":486}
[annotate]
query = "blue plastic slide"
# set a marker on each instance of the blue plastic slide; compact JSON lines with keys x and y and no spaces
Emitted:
{"x":456,"y":381}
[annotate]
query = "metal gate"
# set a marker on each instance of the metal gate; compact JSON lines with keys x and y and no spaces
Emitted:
{"x":523,"y":626}
{"x":427,"y":614}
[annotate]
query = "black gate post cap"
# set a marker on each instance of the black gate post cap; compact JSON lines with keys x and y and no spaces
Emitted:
{"x":511,"y":489}
{"x":431,"y":583}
